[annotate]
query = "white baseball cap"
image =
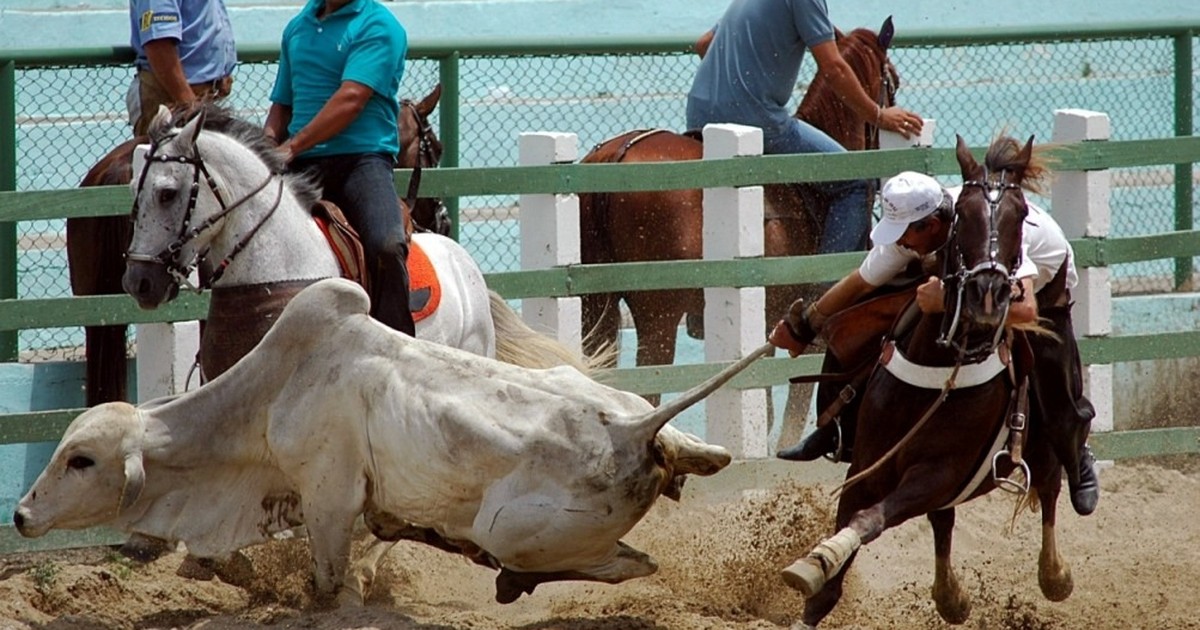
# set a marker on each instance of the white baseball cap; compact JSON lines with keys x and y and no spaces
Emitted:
{"x":907,"y":198}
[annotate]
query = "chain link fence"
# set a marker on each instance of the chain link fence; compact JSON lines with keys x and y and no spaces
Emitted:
{"x":69,"y":117}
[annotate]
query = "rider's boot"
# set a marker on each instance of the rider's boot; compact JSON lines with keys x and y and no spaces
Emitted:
{"x":1080,"y":465}
{"x":824,"y":441}
{"x":389,"y":289}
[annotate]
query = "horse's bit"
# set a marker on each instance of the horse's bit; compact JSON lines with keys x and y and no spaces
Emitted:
{"x":169,"y":256}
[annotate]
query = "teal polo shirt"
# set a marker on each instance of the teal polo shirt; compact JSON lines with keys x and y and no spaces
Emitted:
{"x":361,"y":42}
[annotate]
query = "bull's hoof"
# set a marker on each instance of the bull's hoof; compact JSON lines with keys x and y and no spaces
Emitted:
{"x":805,"y":575}
{"x":510,"y":586}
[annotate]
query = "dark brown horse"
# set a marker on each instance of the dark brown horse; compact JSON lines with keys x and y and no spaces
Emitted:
{"x":667,"y":225}
{"x":942,"y":417}
{"x":96,"y":245}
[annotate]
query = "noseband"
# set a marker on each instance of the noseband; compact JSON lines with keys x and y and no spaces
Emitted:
{"x":169,"y":256}
{"x":957,"y":279}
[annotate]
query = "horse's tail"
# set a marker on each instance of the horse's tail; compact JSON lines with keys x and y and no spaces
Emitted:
{"x":518,"y":344}
{"x":601,"y":315}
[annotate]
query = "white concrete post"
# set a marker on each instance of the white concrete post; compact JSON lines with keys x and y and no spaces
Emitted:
{"x":733,"y":318}
{"x":550,"y":237}
{"x":1081,"y":206}
{"x":165,"y":355}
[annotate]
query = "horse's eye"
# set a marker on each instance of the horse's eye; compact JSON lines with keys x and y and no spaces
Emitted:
{"x":166,"y":196}
{"x":79,"y":462}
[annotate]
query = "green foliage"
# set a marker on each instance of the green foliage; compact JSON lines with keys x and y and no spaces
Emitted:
{"x":44,"y":575}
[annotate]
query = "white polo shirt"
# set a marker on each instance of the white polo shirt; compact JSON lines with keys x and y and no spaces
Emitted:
{"x":1044,"y":247}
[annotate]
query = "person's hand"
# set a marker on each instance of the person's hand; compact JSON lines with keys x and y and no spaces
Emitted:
{"x":930,"y":296}
{"x":902,"y":121}
{"x":286,"y":152}
{"x":781,"y":337}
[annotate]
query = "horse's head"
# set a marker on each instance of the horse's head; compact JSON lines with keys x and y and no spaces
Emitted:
{"x":984,"y":249}
{"x":867,"y":53}
{"x":421,"y":148}
{"x":181,"y":201}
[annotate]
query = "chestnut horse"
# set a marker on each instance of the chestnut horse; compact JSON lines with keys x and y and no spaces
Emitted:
{"x":96,"y":245}
{"x":667,"y":225}
{"x":943,"y":415}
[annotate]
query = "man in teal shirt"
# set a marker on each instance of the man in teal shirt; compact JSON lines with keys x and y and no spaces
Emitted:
{"x":334,"y":112}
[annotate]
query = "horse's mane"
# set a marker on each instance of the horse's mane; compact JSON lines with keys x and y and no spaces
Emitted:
{"x":1003,"y":154}
{"x":223,"y":120}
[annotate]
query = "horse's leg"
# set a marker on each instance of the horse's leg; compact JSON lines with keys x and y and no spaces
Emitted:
{"x":916,"y":493}
{"x":953,"y":603}
{"x":656,"y":316}
{"x":1054,"y":574}
{"x":95,"y":248}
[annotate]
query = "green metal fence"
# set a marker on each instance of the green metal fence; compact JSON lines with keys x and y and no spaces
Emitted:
{"x":67,"y":109}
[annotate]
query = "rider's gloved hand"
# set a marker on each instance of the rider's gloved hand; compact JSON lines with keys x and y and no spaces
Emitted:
{"x":795,"y":331}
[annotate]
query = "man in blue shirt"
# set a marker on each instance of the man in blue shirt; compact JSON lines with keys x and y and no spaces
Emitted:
{"x":334,"y":112}
{"x":185,"y":52}
{"x":750,"y":63}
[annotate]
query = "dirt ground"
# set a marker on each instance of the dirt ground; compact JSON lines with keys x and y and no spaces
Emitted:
{"x":1136,"y":564}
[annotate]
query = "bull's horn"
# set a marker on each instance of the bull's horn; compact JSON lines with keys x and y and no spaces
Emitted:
{"x":663,"y":413}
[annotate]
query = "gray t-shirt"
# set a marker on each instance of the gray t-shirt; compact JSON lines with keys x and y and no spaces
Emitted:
{"x":751,"y":67}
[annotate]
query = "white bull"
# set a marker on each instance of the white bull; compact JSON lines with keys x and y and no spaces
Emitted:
{"x":333,"y":415}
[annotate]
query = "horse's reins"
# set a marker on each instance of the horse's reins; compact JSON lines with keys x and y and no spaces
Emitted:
{"x":168,"y":257}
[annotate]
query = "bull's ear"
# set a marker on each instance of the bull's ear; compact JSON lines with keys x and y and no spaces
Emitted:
{"x":135,"y":480}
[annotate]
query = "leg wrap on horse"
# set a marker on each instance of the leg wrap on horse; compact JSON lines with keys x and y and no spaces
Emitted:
{"x":389,"y":288}
{"x":833,"y":552}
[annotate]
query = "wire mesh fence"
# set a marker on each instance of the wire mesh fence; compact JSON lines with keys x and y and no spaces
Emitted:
{"x":70,"y":117}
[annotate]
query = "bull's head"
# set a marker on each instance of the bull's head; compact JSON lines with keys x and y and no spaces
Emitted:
{"x":96,"y":473}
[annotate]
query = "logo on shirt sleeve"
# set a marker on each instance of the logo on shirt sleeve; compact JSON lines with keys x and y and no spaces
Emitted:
{"x":149,"y":18}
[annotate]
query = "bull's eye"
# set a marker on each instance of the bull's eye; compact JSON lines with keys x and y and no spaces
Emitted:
{"x":166,"y":196}
{"x":79,"y":462}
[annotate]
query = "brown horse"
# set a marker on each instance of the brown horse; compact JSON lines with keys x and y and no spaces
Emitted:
{"x":942,"y":416}
{"x":96,"y":245}
{"x":667,"y":225}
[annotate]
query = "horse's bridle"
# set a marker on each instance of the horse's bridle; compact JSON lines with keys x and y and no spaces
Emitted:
{"x":169,"y":256}
{"x":425,"y":159}
{"x":956,"y":279}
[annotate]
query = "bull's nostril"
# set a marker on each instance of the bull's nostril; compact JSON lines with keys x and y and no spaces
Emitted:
{"x":18,"y":520}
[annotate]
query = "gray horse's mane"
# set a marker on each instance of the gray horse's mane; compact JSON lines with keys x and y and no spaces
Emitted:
{"x":223,"y":120}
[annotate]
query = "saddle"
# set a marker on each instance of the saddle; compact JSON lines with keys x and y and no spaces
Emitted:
{"x":424,"y":287}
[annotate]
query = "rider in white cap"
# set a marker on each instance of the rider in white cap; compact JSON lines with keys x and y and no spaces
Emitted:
{"x":917,"y":216}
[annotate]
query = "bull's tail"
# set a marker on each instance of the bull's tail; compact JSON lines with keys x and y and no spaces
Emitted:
{"x":650,"y":424}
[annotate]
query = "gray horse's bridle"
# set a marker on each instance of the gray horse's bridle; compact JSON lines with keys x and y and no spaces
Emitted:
{"x":169,"y":256}
{"x":957,"y":280}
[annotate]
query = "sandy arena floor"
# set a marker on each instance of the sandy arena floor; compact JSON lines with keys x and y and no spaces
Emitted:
{"x":1136,"y":564}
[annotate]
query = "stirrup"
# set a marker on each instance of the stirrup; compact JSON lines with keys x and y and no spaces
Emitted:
{"x":836,"y":455}
{"x":1008,"y":484}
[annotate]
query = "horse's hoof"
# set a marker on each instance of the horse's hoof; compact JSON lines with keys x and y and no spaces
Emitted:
{"x":805,"y":575}
{"x":954,"y":612}
{"x":1058,"y":587}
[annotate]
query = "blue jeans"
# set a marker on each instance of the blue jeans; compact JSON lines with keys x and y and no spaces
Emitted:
{"x":848,"y":222}
{"x":361,"y":185}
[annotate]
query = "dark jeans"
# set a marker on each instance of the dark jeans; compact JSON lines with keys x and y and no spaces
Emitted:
{"x":361,"y":185}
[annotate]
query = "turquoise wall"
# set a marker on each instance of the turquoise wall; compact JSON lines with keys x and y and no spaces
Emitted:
{"x":65,"y":23}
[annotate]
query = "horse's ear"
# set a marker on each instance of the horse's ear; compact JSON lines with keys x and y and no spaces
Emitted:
{"x":430,"y":101}
{"x":192,"y":129}
{"x":886,"y":33}
{"x":966,"y":161}
{"x":160,"y":123}
{"x":1021,"y":162}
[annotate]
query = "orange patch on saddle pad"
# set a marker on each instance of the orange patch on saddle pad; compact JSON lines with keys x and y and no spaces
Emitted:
{"x":424,"y":288}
